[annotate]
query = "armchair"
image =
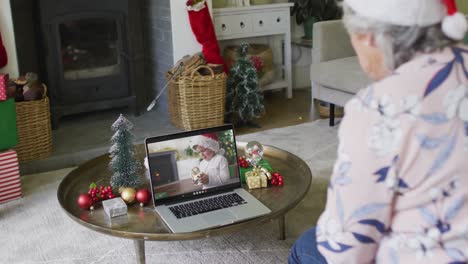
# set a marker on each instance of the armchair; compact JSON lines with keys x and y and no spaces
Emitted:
{"x":335,"y":73}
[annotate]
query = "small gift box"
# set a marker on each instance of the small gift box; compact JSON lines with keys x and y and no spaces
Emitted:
{"x":256,"y":179}
{"x":3,"y":86}
{"x":262,"y":163}
{"x":254,"y":182}
{"x":10,"y":184}
{"x":8,"y":128}
{"x":114,"y":207}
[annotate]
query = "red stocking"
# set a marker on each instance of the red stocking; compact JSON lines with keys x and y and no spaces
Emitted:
{"x":204,"y":32}
{"x":3,"y":54}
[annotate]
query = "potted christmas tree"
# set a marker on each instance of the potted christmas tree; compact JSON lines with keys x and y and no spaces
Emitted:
{"x":311,"y":11}
{"x":244,"y":99}
{"x":124,"y":165}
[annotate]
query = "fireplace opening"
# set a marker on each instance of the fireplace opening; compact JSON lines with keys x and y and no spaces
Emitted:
{"x":95,"y":55}
{"x":89,"y":48}
{"x":89,"y":53}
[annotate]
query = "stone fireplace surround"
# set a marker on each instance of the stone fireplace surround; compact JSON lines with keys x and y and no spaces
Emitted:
{"x":150,"y":58}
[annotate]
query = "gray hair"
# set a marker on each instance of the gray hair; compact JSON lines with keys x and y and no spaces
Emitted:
{"x":399,"y":44}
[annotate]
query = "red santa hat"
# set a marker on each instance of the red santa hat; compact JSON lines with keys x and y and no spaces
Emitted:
{"x":209,"y":141}
{"x":415,"y":13}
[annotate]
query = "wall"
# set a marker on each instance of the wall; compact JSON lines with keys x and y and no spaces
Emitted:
{"x":463,"y":6}
{"x":159,"y":38}
{"x":8,"y":37}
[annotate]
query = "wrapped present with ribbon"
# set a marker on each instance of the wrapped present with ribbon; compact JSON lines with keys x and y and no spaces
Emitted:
{"x":10,"y":183}
{"x":261,"y":164}
{"x":3,"y":86}
{"x":256,"y":178}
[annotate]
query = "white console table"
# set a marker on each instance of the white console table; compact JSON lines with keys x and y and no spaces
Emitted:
{"x":259,"y":21}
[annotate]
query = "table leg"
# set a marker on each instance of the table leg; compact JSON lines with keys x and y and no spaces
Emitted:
{"x":139,"y":251}
{"x":281,"y":226}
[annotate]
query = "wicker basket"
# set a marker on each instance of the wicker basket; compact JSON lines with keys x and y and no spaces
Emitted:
{"x":34,"y":129}
{"x":197,"y":101}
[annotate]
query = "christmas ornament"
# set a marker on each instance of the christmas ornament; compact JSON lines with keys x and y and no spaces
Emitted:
{"x":277,"y":179}
{"x":85,"y":201}
{"x":100,"y":193}
{"x":254,"y":152}
{"x":243,"y":162}
{"x":257,"y":62}
{"x":196,"y":176}
{"x":143,"y":196}
{"x":124,"y":165}
{"x":266,"y":172}
{"x":128,"y":195}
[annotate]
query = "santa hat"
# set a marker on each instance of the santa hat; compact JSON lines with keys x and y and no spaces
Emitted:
{"x":415,"y":13}
{"x":209,"y":141}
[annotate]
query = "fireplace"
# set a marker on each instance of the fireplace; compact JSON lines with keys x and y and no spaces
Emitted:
{"x":90,"y":53}
{"x":97,"y":54}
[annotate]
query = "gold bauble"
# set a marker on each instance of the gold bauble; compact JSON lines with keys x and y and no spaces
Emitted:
{"x":128,"y":195}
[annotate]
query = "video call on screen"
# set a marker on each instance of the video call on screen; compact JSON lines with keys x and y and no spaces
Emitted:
{"x":176,"y":167}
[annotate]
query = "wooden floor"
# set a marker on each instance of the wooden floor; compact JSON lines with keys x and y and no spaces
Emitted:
{"x":281,"y":112}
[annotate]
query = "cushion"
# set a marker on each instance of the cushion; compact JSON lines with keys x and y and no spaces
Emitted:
{"x":340,"y":74}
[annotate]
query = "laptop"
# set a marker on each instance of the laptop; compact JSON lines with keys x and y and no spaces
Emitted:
{"x":195,"y":180}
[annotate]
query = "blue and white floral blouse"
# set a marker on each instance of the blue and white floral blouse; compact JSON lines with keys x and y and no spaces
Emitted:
{"x":399,"y":190}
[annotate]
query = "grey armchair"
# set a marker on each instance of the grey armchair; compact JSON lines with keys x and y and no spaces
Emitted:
{"x":335,"y":73}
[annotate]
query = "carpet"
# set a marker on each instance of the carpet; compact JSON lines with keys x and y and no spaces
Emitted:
{"x":35,"y":229}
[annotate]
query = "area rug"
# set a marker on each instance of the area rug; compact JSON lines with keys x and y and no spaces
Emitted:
{"x":35,"y":229}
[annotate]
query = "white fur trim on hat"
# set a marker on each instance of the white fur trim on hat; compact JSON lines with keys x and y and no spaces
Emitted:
{"x":455,"y":26}
{"x":401,"y":12}
{"x":206,"y":142}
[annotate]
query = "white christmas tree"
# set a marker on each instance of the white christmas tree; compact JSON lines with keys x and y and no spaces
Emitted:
{"x":124,"y":165}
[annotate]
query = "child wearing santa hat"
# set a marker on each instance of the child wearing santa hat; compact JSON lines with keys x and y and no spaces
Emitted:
{"x":214,"y":166}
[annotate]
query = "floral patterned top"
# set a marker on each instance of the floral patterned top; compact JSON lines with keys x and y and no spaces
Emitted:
{"x":399,"y":189}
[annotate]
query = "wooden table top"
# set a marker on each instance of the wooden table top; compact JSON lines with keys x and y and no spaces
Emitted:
{"x":145,"y":224}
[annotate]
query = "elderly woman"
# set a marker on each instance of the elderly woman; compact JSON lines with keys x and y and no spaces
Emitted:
{"x":399,"y":189}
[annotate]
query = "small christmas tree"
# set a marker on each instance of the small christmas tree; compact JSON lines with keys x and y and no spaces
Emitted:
{"x":244,"y":100}
{"x":124,"y":165}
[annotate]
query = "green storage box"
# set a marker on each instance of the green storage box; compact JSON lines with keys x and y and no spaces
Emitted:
{"x":8,"y":131}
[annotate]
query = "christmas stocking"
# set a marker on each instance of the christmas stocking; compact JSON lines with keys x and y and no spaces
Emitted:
{"x":3,"y":54}
{"x":203,"y":29}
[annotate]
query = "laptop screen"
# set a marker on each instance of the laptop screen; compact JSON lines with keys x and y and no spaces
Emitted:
{"x":192,"y":163}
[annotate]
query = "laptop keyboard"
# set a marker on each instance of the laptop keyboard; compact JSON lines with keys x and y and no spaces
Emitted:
{"x":207,"y":205}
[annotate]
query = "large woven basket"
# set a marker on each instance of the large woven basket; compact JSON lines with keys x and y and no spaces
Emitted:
{"x":34,"y":129}
{"x":197,"y":101}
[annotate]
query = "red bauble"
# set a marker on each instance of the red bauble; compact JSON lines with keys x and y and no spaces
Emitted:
{"x":85,"y":201}
{"x":143,"y":196}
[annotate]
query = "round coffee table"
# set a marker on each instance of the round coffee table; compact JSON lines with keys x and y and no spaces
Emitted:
{"x":142,"y":224}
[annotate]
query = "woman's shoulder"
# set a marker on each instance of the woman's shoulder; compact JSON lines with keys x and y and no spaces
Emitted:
{"x":421,"y":78}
